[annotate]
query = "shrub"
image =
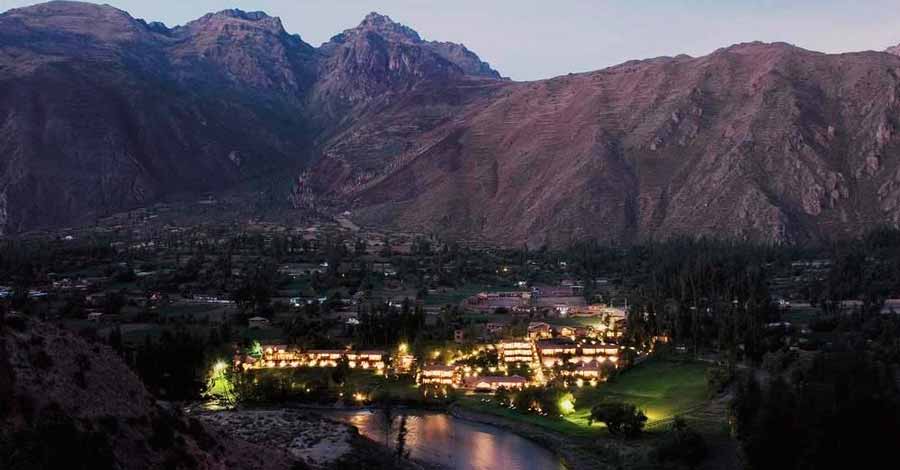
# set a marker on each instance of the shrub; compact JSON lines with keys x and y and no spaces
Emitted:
{"x":42,"y":360}
{"x":622,"y":419}
{"x":682,"y":445}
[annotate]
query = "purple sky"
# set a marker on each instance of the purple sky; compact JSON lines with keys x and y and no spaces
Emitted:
{"x":532,"y":39}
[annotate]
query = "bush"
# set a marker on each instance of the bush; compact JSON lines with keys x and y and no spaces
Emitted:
{"x":622,"y":419}
{"x":163,"y":434}
{"x":682,"y":445}
{"x":7,"y":381}
{"x":718,"y":379}
{"x":42,"y":360}
{"x":777,"y":362}
{"x":55,"y":440}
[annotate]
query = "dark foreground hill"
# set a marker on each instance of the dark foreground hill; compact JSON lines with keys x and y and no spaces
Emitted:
{"x":65,"y":403}
{"x":101,"y":112}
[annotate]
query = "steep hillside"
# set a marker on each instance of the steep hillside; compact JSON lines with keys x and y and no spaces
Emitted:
{"x":65,"y":403}
{"x":760,"y":141}
{"x":100,"y":112}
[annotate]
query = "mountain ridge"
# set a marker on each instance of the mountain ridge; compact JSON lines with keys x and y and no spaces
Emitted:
{"x":757,"y":141}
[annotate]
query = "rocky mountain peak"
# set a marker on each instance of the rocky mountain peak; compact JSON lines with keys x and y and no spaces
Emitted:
{"x":378,"y":25}
{"x":893,"y":50}
{"x":384,"y":25}
{"x":226,"y":19}
{"x":759,"y":47}
{"x":378,"y":34}
{"x":70,"y":9}
{"x":102,"y":22}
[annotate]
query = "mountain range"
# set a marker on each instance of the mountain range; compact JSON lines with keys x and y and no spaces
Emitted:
{"x":102,"y":112}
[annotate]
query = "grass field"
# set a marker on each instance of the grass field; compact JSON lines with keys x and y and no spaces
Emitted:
{"x":661,"y":389}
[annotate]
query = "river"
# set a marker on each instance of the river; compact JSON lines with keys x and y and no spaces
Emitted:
{"x":453,"y":443}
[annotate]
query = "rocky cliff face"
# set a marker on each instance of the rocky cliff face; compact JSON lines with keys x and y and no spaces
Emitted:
{"x":380,"y":56}
{"x":249,"y":50}
{"x":101,"y":111}
{"x":758,"y":141}
{"x":65,"y":403}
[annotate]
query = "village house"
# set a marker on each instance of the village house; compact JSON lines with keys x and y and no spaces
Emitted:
{"x":459,"y":336}
{"x":891,"y":307}
{"x":324,"y":357}
{"x":494,"y":329}
{"x":438,"y":374}
{"x":492,"y":383}
{"x":366,"y":359}
{"x":539,"y":330}
{"x":553,"y":352}
{"x":592,"y":371}
{"x":285,"y":357}
{"x":600,"y":350}
{"x":516,"y":351}
{"x":403,"y":363}
{"x":514,"y":301}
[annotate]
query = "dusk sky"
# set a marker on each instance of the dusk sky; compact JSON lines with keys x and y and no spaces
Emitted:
{"x":531,"y":39}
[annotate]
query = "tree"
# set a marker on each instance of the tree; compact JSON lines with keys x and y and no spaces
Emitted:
{"x":622,"y":419}
{"x":115,"y":340}
{"x":682,"y":445}
{"x":387,"y":419}
{"x":402,"y":453}
{"x":339,"y":374}
{"x":503,"y":396}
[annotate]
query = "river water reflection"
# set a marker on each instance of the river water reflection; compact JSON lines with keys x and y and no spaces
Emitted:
{"x":453,"y":443}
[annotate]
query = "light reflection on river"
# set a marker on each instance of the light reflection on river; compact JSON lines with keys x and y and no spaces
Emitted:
{"x":453,"y":443}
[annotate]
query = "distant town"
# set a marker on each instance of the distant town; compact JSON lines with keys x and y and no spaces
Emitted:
{"x":574,"y":344}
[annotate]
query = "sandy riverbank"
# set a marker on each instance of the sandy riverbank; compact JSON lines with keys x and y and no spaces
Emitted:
{"x":316,"y":440}
{"x":306,"y":435}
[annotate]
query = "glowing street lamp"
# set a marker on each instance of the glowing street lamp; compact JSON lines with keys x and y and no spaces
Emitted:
{"x":567,"y":404}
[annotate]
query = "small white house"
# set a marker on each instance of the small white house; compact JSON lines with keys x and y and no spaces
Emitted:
{"x":257,"y":323}
{"x":95,"y":316}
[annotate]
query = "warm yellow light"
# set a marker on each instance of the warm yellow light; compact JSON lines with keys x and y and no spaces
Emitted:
{"x":403,"y":348}
{"x":219,"y":367}
{"x":567,"y":405}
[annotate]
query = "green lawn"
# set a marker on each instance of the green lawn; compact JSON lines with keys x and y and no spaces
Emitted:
{"x":562,"y":426}
{"x":662,"y":389}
